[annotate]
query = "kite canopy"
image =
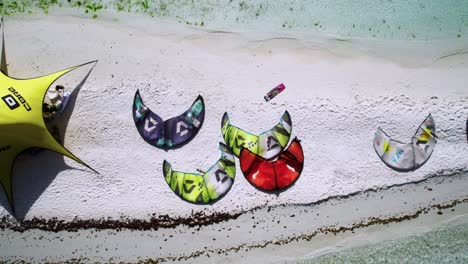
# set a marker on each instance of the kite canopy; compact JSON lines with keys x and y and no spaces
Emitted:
{"x":21,"y":120}
{"x":172,"y":133}
{"x":404,"y":157}
{"x":207,"y":187}
{"x":267,"y":145}
{"x":273,"y":175}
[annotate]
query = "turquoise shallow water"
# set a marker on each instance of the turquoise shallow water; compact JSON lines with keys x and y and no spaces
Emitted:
{"x":448,"y":245}
{"x":379,"y":19}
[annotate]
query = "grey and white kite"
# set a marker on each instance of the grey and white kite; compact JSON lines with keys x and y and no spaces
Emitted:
{"x":404,"y":157}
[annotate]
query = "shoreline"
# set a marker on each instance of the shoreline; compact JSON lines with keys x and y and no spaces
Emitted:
{"x":153,"y":221}
{"x":309,"y":230}
{"x":436,"y":244}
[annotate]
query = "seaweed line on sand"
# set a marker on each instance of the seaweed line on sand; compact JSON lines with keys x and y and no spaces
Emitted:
{"x":307,"y":237}
{"x":196,"y":219}
{"x":371,"y":221}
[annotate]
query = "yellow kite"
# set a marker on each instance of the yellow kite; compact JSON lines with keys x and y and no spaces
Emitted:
{"x":22,"y":124}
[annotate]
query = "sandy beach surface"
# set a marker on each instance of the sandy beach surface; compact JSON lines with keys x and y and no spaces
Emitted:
{"x":338,"y":92}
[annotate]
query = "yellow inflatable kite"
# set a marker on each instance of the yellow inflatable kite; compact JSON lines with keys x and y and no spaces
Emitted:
{"x":22,"y":124}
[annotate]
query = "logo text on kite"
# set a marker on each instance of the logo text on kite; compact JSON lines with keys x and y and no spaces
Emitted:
{"x":12,"y":103}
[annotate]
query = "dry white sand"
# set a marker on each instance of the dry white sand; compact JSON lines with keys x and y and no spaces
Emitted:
{"x":337,"y":93}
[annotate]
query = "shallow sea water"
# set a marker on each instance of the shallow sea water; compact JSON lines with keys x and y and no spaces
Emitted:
{"x":374,"y":19}
{"x":447,"y":245}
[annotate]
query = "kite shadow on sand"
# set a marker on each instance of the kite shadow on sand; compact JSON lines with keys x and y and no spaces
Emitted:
{"x":27,"y":184}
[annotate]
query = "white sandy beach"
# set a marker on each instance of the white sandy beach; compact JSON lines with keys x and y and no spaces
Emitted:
{"x":338,"y":93}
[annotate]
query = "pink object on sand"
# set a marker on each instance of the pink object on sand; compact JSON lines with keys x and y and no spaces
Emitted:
{"x":273,"y":92}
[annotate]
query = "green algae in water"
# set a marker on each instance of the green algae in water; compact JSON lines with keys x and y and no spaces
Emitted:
{"x":448,"y":245}
{"x":388,"y":19}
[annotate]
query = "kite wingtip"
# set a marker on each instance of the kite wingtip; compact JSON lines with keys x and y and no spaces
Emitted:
{"x":166,"y":166}
{"x":137,"y":95}
{"x":95,"y":171}
{"x":429,"y":116}
{"x":225,"y":118}
{"x":224,"y":148}
{"x":94,"y":62}
{"x":89,"y":167}
{"x":91,"y":62}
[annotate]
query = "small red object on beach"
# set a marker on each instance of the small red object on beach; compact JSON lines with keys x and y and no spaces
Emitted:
{"x":274,"y":92}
